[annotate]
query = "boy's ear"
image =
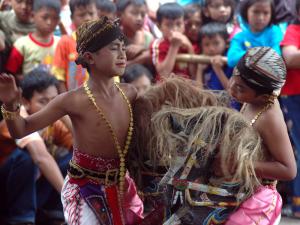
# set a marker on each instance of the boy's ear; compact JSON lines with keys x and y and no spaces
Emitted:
{"x":88,"y":58}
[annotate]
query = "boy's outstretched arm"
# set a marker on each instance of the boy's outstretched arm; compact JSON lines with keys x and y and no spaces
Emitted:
{"x":18,"y":126}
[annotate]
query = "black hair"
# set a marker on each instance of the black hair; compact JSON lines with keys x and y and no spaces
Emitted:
{"x":246,"y":4}
{"x":37,"y":80}
{"x":231,"y":3}
{"x":212,"y":29}
{"x":123,"y":4}
{"x":169,"y":11}
{"x":135,"y":71}
{"x":106,"y":6}
{"x":191,"y":9}
{"x":51,"y":4}
{"x":77,"y":3}
{"x":297,"y":6}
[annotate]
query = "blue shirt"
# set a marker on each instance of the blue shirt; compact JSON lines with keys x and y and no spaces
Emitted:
{"x":211,"y":80}
{"x":269,"y":37}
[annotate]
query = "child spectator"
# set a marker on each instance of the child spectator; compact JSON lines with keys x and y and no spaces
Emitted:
{"x":106,"y":8}
{"x":290,"y":97}
{"x":256,"y":82}
{"x":21,"y":159}
{"x":37,"y":47}
{"x":132,"y":14}
{"x":193,"y":22}
{"x":64,"y":67}
{"x":221,"y":11}
{"x":139,"y":76}
{"x":170,"y":18}
{"x":259,"y":19}
{"x":214,"y":38}
{"x":14,"y":24}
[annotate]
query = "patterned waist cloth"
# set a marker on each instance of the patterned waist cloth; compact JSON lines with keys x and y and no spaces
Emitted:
{"x":93,"y":168}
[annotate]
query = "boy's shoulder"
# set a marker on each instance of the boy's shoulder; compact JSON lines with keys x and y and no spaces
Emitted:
{"x":129,"y":90}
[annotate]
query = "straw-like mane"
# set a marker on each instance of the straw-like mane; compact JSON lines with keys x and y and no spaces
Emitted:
{"x":220,"y":133}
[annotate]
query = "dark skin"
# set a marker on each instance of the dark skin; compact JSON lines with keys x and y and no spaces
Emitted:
{"x":90,"y":132}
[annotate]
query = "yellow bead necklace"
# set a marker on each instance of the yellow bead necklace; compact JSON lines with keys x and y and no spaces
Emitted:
{"x":122,"y":153}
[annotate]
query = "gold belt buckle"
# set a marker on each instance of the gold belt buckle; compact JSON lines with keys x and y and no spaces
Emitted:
{"x":76,"y":167}
{"x":111,"y":172}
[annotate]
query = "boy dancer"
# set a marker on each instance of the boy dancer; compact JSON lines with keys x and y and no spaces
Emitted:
{"x":97,"y":189}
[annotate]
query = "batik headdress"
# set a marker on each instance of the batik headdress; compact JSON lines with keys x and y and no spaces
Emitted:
{"x":262,"y":69}
{"x":94,"y":35}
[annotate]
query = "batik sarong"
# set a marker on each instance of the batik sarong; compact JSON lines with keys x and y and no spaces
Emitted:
{"x":88,"y":201}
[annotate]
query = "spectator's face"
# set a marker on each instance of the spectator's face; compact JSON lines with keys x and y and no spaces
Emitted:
{"x":141,"y":84}
{"x":212,"y":46}
{"x":40,"y":99}
{"x":218,"y":11}
{"x":167,"y":26}
{"x":192,"y":26}
{"x":133,"y":17}
{"x":83,"y":14}
{"x":259,"y":15}
{"x":46,"y":19}
{"x":23,"y":9}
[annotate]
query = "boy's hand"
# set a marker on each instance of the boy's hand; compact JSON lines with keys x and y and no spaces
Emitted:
{"x":9,"y":92}
{"x":176,"y":39}
{"x":217,"y":62}
{"x":133,"y":50}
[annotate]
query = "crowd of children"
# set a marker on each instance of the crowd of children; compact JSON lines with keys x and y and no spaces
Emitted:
{"x":52,"y":47}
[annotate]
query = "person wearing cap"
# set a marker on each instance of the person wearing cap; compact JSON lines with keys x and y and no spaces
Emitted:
{"x":97,"y":189}
{"x":257,"y":80}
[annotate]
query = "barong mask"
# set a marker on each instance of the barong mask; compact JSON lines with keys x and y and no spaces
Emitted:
{"x":94,"y":35}
{"x":262,"y":69}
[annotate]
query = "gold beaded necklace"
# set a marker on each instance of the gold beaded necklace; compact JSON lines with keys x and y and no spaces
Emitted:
{"x":265,"y":108}
{"x":122,"y":153}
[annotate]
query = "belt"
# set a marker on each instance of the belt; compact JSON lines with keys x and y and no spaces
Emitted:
{"x":108,"y":178}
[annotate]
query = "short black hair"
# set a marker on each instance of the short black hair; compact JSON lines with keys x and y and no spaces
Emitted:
{"x":106,"y":6}
{"x":169,"y":11}
{"x":37,"y":80}
{"x":77,"y":3}
{"x":51,"y":4}
{"x":123,"y":4}
{"x":231,"y":3}
{"x":191,"y":9}
{"x":246,"y":4}
{"x":135,"y":71}
{"x":212,"y":29}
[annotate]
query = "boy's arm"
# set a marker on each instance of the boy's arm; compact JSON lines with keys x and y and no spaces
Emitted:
{"x":2,"y":41}
{"x":60,"y":64}
{"x":218,"y":63}
{"x":199,"y":74}
{"x":291,"y":55}
{"x":19,"y":126}
{"x":282,"y":165}
{"x":177,"y":40}
{"x":46,"y":163}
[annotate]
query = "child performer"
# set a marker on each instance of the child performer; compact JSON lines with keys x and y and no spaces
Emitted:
{"x":256,"y":82}
{"x":97,"y":189}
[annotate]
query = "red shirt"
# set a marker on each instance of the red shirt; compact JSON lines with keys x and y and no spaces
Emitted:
{"x":292,"y":84}
{"x":159,"y":49}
